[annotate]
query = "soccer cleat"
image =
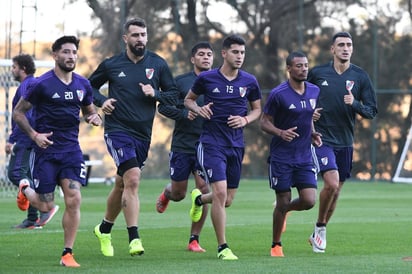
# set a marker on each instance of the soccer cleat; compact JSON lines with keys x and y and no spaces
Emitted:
{"x":314,"y":248}
{"x":105,"y":240}
{"x":162,"y":203}
{"x":26,"y":224}
{"x":194,"y":246}
{"x":68,"y":261}
{"x":47,"y":216}
{"x":195,"y":210}
{"x":136,"y":247}
{"x":318,"y":239}
{"x":276,"y":251}
{"x":22,"y":201}
{"x":226,"y":255}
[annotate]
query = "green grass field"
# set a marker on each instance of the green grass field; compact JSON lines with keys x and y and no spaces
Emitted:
{"x":369,"y":233}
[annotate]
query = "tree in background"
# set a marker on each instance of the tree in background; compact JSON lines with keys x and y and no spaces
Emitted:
{"x":272,"y":29}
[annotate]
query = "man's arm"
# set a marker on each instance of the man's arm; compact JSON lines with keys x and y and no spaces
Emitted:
{"x":190,"y":103}
{"x":19,"y":116}
{"x":91,"y":116}
{"x":367,"y":106}
{"x":266,"y":124}
{"x":97,"y":80}
{"x":175,"y":112}
{"x":256,"y":110}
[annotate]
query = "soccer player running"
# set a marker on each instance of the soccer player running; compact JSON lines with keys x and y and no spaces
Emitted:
{"x":57,"y":97}
{"x":345,"y":90}
{"x":186,"y":133}
{"x":19,"y":145}
{"x":135,"y":78}
{"x":287,"y":115}
{"x":227,"y":91}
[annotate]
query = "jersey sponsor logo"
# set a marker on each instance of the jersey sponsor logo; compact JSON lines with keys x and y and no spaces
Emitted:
{"x":80,"y":94}
{"x":215,"y":90}
{"x":349,"y":85}
{"x":149,"y":73}
{"x":312,"y":103}
{"x":55,"y":96}
{"x":172,"y":171}
{"x":324,"y":83}
{"x":242,"y":91}
{"x":324,"y":161}
{"x":121,"y":74}
{"x":292,"y":106}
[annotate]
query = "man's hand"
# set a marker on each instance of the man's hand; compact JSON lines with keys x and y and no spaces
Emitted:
{"x":108,"y":106}
{"x":147,"y":90}
{"x":316,"y":114}
{"x":41,"y":139}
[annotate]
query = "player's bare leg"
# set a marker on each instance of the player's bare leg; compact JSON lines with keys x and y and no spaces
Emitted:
{"x":114,"y":200}
{"x":130,"y":198}
{"x":218,"y":211}
{"x":71,"y":215}
{"x":327,"y":195}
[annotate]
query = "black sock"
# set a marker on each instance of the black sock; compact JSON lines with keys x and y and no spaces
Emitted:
{"x":198,"y":200}
{"x":133,"y":233}
{"x":221,"y":247}
{"x":67,"y":250}
{"x":276,"y":243}
{"x":106,"y":227}
{"x":193,"y":237}
{"x":320,"y":224}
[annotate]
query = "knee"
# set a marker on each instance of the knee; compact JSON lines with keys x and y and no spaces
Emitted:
{"x":229,"y":201}
{"x":131,"y":184}
{"x":309,"y":205}
{"x":220,"y":196}
{"x":73,"y":201}
{"x":332,"y":188}
{"x":178,"y":196}
{"x":309,"y":202}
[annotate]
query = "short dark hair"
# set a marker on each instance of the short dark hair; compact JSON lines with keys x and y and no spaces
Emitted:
{"x":134,"y":22}
{"x":57,"y":45}
{"x":292,"y":55}
{"x":25,"y":62}
{"x":341,"y":34}
{"x":201,"y":45}
{"x":233,"y":39}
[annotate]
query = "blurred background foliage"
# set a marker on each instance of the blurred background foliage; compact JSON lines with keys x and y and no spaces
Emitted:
{"x":381,"y":33}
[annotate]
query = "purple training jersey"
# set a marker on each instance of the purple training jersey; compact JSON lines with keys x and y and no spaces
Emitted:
{"x":228,"y":98}
{"x":290,"y":109}
{"x":58,"y":107}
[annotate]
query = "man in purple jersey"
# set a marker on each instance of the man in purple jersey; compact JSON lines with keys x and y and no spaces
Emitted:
{"x":19,"y":145}
{"x":57,"y":97}
{"x":182,"y":157}
{"x":345,"y":91}
{"x":287,"y":115}
{"x":227,"y":92}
